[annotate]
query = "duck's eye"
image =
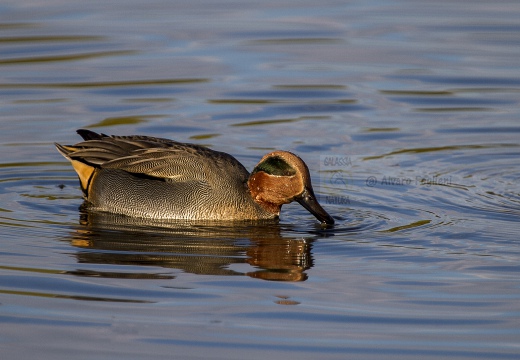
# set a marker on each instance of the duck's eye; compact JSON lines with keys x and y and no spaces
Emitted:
{"x":275,"y":166}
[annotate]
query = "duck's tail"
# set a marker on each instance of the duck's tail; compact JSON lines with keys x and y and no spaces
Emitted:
{"x":84,"y":170}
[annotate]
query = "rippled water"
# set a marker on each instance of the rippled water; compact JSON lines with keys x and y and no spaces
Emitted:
{"x":405,"y":111}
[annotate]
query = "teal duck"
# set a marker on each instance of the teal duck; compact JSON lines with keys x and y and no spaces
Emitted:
{"x":157,"y":178}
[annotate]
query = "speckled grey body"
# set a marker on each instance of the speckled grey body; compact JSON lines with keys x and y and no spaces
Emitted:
{"x":163,"y":179}
{"x":121,"y":192}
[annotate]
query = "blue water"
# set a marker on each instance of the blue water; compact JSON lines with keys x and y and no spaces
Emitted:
{"x":406,"y":113}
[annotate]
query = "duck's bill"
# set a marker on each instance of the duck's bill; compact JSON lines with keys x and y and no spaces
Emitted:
{"x":308,"y":200}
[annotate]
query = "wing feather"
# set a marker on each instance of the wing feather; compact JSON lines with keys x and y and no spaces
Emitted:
{"x":156,"y":157}
{"x":170,"y":164}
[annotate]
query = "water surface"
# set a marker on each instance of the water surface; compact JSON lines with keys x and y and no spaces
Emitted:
{"x":405,"y":111}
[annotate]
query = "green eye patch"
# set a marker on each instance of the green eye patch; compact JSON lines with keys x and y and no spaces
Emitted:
{"x":275,"y":166}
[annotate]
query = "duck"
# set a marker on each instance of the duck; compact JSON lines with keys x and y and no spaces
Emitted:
{"x":156,"y":178}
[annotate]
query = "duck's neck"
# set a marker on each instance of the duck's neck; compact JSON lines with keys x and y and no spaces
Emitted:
{"x":256,"y":184}
{"x":269,"y":207}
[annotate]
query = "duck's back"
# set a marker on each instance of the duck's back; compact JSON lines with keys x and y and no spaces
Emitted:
{"x":159,"y":178}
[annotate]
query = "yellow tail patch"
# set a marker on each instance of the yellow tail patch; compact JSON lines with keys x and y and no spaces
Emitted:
{"x":85,"y":173}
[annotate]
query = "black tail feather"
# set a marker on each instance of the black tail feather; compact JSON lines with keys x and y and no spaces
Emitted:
{"x":90,"y":135}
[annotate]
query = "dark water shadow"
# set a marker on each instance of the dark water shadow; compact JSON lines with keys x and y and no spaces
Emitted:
{"x":206,"y":248}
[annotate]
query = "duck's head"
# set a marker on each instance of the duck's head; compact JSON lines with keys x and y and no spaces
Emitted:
{"x":280,"y":178}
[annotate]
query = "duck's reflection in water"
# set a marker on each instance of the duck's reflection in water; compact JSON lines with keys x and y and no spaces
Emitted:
{"x":198,"y":248}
